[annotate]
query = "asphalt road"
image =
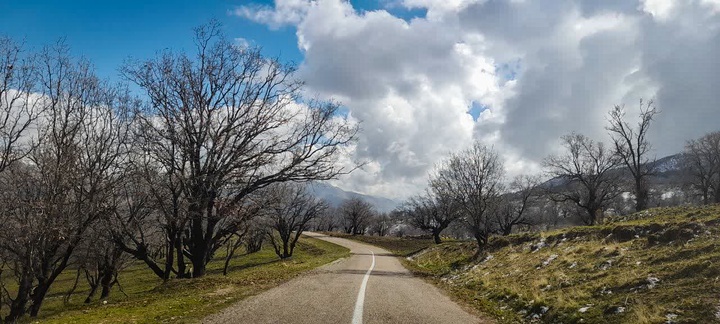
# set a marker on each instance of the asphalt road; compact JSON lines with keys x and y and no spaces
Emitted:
{"x":371,"y":286}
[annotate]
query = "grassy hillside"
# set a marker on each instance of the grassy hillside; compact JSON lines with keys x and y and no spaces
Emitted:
{"x":657,"y":266}
{"x":185,"y":301}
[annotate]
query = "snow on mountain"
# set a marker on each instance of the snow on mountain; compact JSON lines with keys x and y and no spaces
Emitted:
{"x":668,"y":163}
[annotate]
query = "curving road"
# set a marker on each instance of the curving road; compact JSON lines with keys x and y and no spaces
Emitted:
{"x":369,"y":287}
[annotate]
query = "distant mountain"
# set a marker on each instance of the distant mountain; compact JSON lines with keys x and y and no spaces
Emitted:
{"x":672,"y":163}
{"x":335,"y":196}
{"x":668,"y":171}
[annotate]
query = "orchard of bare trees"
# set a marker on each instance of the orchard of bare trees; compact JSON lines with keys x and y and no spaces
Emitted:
{"x":585,"y":180}
{"x":212,"y":154}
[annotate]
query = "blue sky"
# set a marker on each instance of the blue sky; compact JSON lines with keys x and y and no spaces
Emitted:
{"x":539,"y":69}
{"x":107,"y":32}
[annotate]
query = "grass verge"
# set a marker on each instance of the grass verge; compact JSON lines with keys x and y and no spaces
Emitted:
{"x":189,"y":300}
{"x":657,"y":266}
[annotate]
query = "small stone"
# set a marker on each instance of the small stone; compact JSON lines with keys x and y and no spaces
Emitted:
{"x":549,"y":259}
{"x":535,"y":247}
{"x":652,"y":282}
{"x":606,"y":265}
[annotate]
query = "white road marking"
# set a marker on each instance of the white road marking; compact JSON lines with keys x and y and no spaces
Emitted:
{"x":358,"y":314}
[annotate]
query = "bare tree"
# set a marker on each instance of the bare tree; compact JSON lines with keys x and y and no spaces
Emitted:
{"x":101,"y":260}
{"x":432,"y":212}
{"x":633,"y":147}
{"x":589,"y":176}
{"x":255,"y":237}
{"x":288,"y":208}
{"x":68,"y":179}
{"x":513,"y":208}
{"x":356,"y":215}
{"x":20,"y":102}
{"x":329,"y":220}
{"x":473,"y":179}
{"x":140,"y":226}
{"x":380,"y":224}
{"x":229,"y":122}
{"x":702,"y":160}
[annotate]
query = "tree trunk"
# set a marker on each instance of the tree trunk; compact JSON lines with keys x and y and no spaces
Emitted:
{"x":481,"y":240}
{"x":19,"y":304}
{"x":106,"y":281}
{"x":140,"y":253}
{"x":507,"y":230}
{"x":38,"y":296}
{"x":592,"y":215}
{"x":93,"y":288}
{"x":706,"y":195}
{"x":286,"y":250}
{"x":436,"y":236}
{"x":169,"y":258}
{"x":154,"y":267}
{"x":228,"y":257}
{"x":181,"y":268}
{"x":199,"y":248}
{"x":641,"y":195}
{"x":254,"y":243}
{"x":231,"y":251}
{"x":198,"y":262}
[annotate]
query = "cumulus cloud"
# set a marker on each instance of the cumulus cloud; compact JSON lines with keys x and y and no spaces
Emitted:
{"x":530,"y":70}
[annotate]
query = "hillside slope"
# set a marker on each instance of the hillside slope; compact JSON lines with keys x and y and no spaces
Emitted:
{"x":657,"y":266}
{"x":336,"y":196}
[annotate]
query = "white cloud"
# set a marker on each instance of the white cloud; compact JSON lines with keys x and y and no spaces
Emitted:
{"x":241,"y":42}
{"x":540,"y":69}
{"x":286,"y":12}
{"x":660,"y":9}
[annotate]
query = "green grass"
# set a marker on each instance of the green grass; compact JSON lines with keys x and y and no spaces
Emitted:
{"x":400,"y":246}
{"x":605,"y":266}
{"x":187,"y":300}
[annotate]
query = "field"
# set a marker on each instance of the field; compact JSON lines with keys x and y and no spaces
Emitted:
{"x":148,"y":300}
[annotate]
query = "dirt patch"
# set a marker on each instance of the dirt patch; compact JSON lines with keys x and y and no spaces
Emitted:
{"x":222,"y":291}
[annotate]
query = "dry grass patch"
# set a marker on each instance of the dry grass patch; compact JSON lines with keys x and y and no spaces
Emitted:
{"x":652,"y":267}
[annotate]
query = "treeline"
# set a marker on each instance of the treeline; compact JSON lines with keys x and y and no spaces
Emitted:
{"x":357,"y":217}
{"x":470,"y":194}
{"x":213,"y":153}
